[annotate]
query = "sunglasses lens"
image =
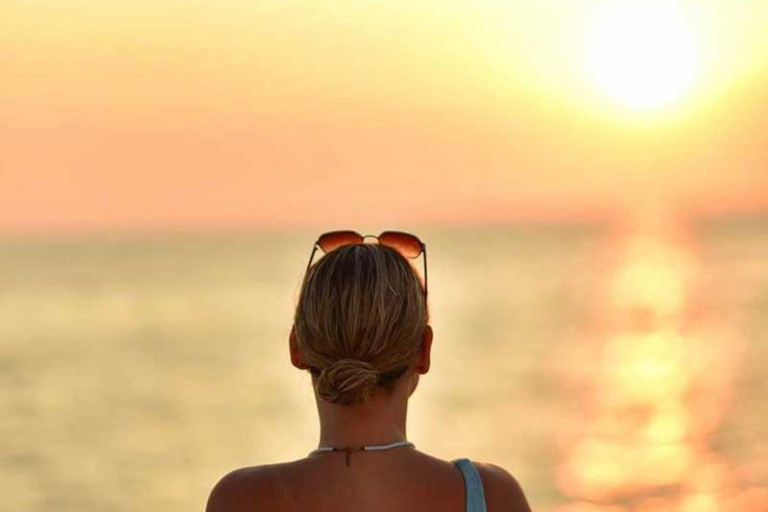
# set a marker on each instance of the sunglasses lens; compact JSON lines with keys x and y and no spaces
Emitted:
{"x":336,"y":239}
{"x":408,"y":245}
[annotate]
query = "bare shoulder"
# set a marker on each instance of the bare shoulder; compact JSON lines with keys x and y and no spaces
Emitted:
{"x":247,"y":489}
{"x":503,"y":492}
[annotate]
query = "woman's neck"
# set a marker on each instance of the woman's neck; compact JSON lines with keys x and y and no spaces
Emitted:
{"x":380,"y":421}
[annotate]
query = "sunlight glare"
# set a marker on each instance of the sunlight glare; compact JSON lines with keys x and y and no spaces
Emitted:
{"x":642,"y":54}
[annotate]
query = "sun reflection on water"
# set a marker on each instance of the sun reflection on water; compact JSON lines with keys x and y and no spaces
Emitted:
{"x":659,"y":389}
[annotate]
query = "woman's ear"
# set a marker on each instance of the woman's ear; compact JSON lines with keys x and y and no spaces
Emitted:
{"x":297,"y":358}
{"x":422,"y":363}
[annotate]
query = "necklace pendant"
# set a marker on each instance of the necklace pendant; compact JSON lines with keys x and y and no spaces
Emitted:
{"x":350,"y":449}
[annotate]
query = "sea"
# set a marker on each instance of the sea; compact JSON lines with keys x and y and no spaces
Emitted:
{"x":606,"y":370}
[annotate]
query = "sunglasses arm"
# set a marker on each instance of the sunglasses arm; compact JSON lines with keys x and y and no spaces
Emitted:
{"x":424,"y":251}
{"x":314,"y":248}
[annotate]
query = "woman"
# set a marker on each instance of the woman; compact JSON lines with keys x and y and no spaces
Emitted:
{"x":361,"y":329}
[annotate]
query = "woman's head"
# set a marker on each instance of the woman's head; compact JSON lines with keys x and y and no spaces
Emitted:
{"x":359,"y":321}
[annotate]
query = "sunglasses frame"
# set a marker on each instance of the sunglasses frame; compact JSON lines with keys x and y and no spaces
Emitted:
{"x":422,"y":246}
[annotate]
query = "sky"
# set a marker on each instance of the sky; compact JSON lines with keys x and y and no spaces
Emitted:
{"x":170,"y":114}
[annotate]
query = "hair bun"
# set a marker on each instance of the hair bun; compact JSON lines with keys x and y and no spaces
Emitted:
{"x":347,"y":381}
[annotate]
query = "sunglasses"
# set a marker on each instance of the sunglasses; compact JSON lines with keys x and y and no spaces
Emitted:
{"x":406,"y":244}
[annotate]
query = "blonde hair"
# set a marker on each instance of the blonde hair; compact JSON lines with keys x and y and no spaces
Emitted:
{"x":359,"y":321}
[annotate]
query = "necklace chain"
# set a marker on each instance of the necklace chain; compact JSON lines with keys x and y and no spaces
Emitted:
{"x":367,"y":448}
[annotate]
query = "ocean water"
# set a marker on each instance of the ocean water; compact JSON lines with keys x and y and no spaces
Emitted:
{"x":136,"y":370}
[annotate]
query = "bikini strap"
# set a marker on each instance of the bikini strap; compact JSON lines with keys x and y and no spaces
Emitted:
{"x":474,"y":485}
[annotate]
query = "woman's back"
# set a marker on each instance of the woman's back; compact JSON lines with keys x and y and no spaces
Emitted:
{"x":361,"y":330}
{"x":391,"y":481}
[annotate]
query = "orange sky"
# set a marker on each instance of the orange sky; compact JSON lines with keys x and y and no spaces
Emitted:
{"x":200,"y":114}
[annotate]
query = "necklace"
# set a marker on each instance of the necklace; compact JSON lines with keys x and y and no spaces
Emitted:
{"x":350,"y":449}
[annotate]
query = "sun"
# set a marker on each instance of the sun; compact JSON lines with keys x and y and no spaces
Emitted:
{"x":641,"y":53}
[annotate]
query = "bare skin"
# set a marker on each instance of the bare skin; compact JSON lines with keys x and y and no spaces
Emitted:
{"x":396,"y":480}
